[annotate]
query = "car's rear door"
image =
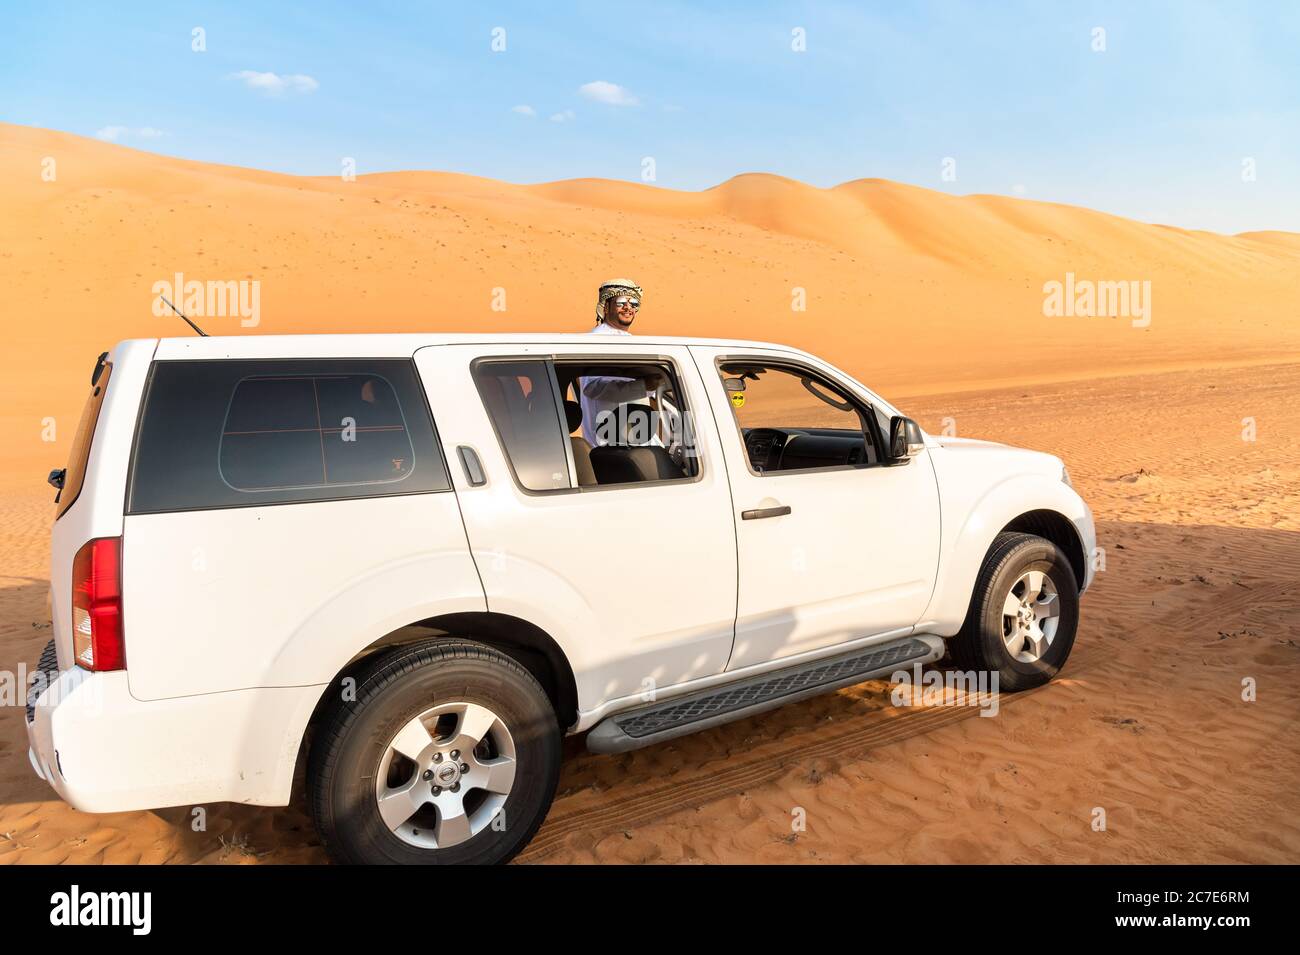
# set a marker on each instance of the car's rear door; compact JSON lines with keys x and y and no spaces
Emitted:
{"x":636,"y":581}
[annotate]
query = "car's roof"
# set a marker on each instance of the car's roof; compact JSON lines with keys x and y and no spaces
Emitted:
{"x":403,"y":345}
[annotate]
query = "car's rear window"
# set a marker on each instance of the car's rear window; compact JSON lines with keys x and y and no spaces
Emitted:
{"x":240,"y":433}
{"x":75,"y":473}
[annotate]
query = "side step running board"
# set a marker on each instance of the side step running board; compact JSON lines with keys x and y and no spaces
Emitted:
{"x":681,"y":715}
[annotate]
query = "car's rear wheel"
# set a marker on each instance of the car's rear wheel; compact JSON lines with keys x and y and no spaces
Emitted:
{"x":1023,"y":614}
{"x":450,"y":753}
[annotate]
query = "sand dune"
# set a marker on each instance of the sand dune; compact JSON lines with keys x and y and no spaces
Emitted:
{"x":911,"y":290}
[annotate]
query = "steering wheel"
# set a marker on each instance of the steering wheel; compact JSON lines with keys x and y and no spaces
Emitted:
{"x":669,"y":428}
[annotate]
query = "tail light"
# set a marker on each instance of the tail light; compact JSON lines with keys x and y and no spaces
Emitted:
{"x":97,"y":605}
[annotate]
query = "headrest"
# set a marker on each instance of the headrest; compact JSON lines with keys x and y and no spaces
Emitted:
{"x":634,"y":424}
{"x":572,"y":415}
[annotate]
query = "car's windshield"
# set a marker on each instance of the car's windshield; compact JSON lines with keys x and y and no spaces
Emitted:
{"x":781,"y":398}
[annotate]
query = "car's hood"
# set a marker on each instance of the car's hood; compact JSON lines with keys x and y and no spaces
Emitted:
{"x":954,"y":442}
{"x":1021,"y":459}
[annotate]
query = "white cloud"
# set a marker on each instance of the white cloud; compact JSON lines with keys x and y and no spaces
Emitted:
{"x":112,"y":134}
{"x":567,"y":116}
{"x":273,"y":84}
{"x":609,"y":93}
{"x":523,"y":110}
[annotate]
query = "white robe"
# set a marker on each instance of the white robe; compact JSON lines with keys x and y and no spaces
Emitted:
{"x":601,"y":395}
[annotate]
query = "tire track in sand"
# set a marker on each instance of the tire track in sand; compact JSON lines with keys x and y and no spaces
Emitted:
{"x":687,"y":791}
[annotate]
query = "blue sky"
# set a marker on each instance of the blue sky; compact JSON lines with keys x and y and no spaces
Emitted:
{"x":1156,"y":127}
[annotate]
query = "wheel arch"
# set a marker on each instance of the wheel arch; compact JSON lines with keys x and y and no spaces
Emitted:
{"x":526,"y":643}
{"x":1060,"y":530}
{"x":1029,"y":503}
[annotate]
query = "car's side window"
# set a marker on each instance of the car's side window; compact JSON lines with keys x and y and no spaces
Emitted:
{"x":520,"y":400}
{"x":589,"y":423}
{"x":792,"y":418}
{"x":314,"y":431}
{"x":628,"y":421}
{"x":240,"y":433}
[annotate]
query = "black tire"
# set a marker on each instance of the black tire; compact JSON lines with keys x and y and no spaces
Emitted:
{"x":980,"y":646}
{"x":354,"y":736}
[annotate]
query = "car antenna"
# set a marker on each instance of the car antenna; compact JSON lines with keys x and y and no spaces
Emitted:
{"x":202,"y":333}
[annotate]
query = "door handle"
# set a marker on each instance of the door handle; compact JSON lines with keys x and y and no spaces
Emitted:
{"x":758,"y":513}
{"x":473,"y":467}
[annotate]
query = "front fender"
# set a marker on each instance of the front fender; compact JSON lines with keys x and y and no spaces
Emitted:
{"x":971,"y":525}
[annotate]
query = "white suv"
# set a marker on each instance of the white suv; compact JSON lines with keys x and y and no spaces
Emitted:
{"x":415,"y":562}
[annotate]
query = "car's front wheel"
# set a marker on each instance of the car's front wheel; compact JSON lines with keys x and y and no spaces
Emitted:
{"x":450,"y":753}
{"x":1023,"y":614}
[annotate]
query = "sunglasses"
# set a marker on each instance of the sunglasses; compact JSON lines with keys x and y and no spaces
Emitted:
{"x":629,"y":302}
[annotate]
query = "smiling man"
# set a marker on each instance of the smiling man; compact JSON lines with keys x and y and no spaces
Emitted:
{"x":617,"y":305}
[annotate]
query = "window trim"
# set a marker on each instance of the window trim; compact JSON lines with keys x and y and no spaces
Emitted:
{"x":569,"y":460}
{"x":142,"y":407}
{"x":865,"y":409}
{"x":550,"y":361}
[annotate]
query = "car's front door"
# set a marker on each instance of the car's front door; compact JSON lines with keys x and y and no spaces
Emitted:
{"x":633,"y":574}
{"x":834,"y":543}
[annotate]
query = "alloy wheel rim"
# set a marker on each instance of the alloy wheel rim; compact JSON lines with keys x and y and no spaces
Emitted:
{"x":445,"y":775}
{"x":1030,"y":616}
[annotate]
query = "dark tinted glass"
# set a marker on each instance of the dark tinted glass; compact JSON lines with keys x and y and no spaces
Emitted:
{"x":79,"y":456}
{"x":521,"y":403}
{"x":314,"y":431}
{"x":238,"y":433}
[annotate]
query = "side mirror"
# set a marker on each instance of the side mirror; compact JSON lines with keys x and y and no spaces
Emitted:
{"x":905,"y":439}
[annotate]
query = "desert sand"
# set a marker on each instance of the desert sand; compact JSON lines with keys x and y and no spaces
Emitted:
{"x":1184,"y":436}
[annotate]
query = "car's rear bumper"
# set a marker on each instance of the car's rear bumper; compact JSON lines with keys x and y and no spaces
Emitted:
{"x":102,"y":750}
